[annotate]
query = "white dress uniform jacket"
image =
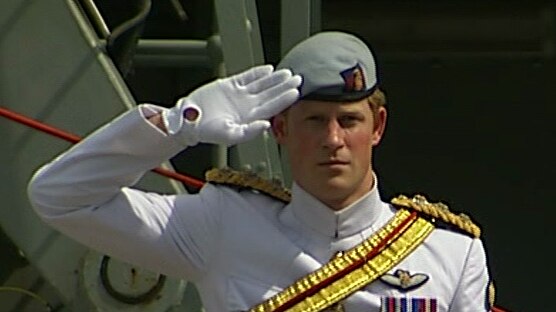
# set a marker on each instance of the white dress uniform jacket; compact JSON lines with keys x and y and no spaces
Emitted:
{"x":238,"y":247}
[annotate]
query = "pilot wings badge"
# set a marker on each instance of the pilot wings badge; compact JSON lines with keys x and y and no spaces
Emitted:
{"x":403,"y":280}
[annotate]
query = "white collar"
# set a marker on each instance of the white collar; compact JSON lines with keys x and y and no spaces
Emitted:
{"x":312,"y":213}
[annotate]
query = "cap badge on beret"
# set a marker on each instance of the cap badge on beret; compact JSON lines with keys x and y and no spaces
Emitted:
{"x":354,"y":79}
{"x":335,"y":66}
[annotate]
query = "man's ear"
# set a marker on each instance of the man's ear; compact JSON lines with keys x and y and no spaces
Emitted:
{"x":279,"y":130}
{"x":380,"y":125}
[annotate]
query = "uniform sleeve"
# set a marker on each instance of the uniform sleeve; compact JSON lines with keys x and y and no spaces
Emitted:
{"x":471,"y":293}
{"x":86,"y":193}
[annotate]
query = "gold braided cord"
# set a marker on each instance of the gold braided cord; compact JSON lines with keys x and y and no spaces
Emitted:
{"x":438,"y":211}
{"x":419,"y":203}
{"x":402,"y":246}
{"x":249,"y":180}
{"x":412,"y":235}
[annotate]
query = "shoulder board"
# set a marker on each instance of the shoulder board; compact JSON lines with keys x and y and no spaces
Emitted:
{"x":250,"y":180}
{"x":438,"y":212}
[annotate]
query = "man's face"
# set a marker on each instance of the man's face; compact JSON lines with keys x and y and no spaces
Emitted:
{"x":330,"y":146}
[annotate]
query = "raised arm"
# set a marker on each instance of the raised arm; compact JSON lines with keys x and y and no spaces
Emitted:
{"x":86,"y":192}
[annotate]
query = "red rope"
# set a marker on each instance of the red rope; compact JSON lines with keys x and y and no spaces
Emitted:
{"x":74,"y":139}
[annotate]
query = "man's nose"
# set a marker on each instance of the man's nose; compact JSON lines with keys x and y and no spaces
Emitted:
{"x":334,"y":135}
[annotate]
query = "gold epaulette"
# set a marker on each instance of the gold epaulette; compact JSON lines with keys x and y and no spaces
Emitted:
{"x":438,"y":211}
{"x":250,"y":180}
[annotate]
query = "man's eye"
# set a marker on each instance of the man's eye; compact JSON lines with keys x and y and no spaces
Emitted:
{"x":348,"y":120}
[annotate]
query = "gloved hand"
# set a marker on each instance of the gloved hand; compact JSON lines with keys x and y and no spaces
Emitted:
{"x":234,"y":109}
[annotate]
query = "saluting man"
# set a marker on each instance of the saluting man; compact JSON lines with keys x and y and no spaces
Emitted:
{"x":331,"y":244}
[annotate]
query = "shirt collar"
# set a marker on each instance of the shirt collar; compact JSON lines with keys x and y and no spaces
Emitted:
{"x":312,"y":213}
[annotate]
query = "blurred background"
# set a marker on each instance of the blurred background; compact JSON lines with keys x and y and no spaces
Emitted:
{"x":470,"y":88}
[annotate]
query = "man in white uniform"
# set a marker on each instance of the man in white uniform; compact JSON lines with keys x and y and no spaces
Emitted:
{"x":245,"y":249}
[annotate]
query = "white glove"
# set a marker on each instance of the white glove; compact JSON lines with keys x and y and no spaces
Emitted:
{"x":234,"y":109}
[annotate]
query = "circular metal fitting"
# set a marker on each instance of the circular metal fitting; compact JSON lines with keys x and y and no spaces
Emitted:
{"x":113,"y":285}
{"x":131,"y":280}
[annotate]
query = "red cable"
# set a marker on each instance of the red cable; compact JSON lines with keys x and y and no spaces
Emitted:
{"x":39,"y":126}
{"x":74,"y":139}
